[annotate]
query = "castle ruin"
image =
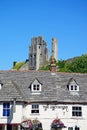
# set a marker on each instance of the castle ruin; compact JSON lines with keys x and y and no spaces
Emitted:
{"x":39,"y":53}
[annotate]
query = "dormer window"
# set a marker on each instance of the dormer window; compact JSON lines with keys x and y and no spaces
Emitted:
{"x":36,"y":87}
{"x":1,"y":85}
{"x":72,"y":85}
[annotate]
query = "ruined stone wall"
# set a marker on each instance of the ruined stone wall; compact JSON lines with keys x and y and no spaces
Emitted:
{"x":38,"y":53}
{"x":55,"y":48}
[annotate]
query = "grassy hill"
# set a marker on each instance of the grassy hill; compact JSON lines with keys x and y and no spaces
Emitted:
{"x":17,"y":65}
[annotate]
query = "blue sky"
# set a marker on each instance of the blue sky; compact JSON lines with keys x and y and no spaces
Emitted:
{"x":20,"y":20}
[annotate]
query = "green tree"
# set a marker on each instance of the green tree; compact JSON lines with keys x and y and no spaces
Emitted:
{"x":78,"y":65}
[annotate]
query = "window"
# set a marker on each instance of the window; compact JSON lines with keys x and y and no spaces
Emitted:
{"x":6,"y":109}
{"x":36,"y":87}
{"x":35,"y":108}
{"x":70,"y":128}
{"x":77,"y":111}
{"x":73,"y":88}
{"x":77,"y":128}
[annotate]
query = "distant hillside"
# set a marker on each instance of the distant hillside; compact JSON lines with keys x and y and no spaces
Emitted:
{"x":76,"y":64}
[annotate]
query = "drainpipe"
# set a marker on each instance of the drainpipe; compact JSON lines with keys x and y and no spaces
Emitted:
{"x":14,"y":105}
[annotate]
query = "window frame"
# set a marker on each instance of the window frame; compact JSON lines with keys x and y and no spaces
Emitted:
{"x":36,"y":88}
{"x":6,"y":109}
{"x":76,"y":111}
{"x":77,"y":128}
{"x":73,"y":87}
{"x":70,"y":128}
{"x":74,"y":128}
{"x":35,"y":109}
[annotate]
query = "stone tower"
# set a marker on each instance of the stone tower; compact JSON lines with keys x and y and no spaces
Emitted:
{"x":55,"y":48}
{"x":38,"y":53}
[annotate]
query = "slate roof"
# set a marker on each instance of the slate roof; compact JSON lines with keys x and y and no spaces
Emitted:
{"x":54,"y":87}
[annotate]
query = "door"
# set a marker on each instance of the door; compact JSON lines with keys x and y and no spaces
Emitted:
{"x":9,"y":127}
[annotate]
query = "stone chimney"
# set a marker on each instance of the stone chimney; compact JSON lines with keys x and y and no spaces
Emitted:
{"x":53,"y":66}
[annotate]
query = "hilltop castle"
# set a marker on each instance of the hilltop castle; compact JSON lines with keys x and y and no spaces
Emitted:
{"x":39,"y":53}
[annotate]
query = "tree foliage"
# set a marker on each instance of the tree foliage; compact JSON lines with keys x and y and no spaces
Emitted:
{"x":45,"y":67}
{"x":78,"y":65}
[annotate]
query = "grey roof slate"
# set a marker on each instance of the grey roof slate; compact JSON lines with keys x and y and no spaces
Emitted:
{"x":54,"y":87}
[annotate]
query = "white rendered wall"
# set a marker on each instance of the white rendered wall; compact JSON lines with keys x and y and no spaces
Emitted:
{"x":63,"y":112}
{"x":65,"y":115}
{"x":15,"y":117}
